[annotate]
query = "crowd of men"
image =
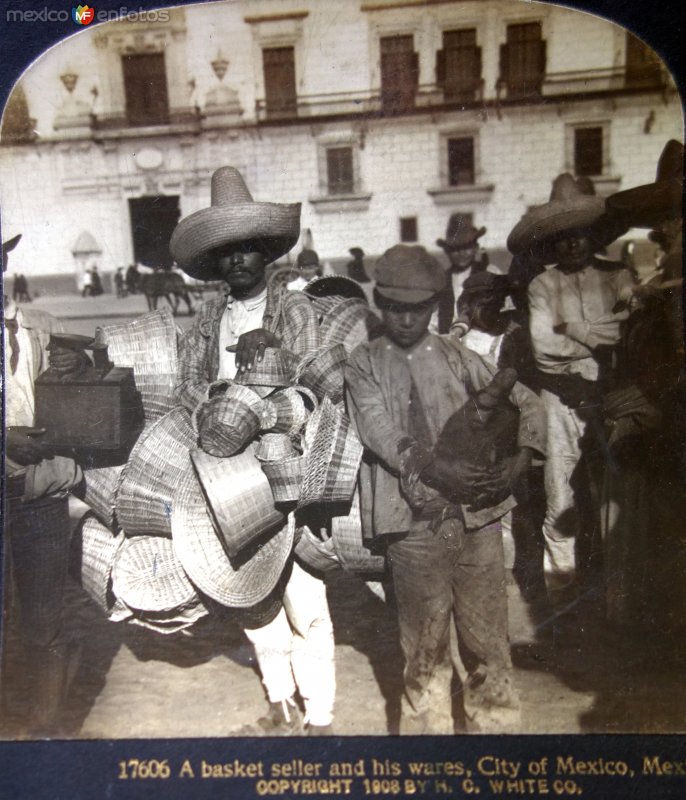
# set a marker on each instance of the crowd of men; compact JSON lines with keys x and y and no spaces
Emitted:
{"x":558,"y":412}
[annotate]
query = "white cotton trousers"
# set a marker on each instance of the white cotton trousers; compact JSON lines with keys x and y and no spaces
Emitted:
{"x":562,"y":520}
{"x":296,"y":649}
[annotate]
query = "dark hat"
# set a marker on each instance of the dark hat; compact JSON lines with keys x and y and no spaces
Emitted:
{"x":570,"y":207}
{"x":650,"y":204}
{"x":356,"y":252}
{"x":307,"y":258}
{"x":408,"y":274}
{"x":460,"y":233}
{"x":232,"y":217}
{"x":10,"y":244}
{"x":485,"y":282}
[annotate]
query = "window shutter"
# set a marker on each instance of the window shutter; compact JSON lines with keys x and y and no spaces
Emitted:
{"x":504,"y":62}
{"x":440,"y":67}
{"x":477,"y":66}
{"x":542,"y":59}
{"x":415,"y":68}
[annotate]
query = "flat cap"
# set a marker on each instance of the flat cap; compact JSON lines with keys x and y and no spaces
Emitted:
{"x":408,"y":274}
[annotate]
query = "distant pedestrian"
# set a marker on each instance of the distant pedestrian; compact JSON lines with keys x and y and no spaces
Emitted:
{"x":85,"y":283}
{"x":356,"y":269}
{"x":132,"y":279}
{"x":120,"y":283}
{"x":96,"y":283}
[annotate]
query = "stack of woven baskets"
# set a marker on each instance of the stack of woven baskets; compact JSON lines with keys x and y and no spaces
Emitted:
{"x":178,"y":524}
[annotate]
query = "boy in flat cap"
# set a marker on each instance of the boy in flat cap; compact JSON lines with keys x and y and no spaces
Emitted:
{"x":573,"y":325}
{"x":446,"y":557}
{"x":234,"y":240}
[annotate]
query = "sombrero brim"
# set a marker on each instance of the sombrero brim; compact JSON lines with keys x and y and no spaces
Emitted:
{"x":648,"y":205}
{"x":275,"y":225}
{"x":239,"y":583}
{"x":10,"y":244}
{"x":544,"y":222}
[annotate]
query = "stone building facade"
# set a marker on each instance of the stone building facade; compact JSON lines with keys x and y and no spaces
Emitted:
{"x":382,"y":116}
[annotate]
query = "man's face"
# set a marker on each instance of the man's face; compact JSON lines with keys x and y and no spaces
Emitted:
{"x":242,"y":266}
{"x":463,"y":257}
{"x":406,"y":324}
{"x":573,"y":251}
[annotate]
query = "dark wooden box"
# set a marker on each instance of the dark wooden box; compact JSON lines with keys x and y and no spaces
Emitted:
{"x":90,"y":415}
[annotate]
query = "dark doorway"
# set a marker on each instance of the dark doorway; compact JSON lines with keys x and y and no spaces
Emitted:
{"x":153,"y":219}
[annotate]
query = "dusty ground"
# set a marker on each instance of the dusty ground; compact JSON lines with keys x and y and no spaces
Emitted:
{"x":573,"y":676}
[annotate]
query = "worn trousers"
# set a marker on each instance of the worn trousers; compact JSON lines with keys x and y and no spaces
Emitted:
{"x":296,"y":649}
{"x":562,"y":521}
{"x":458,"y":573}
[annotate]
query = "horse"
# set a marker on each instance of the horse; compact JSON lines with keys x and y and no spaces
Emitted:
{"x":169,"y":285}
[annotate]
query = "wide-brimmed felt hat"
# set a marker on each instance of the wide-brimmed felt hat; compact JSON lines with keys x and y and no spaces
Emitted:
{"x":408,"y":274}
{"x":241,"y":582}
{"x":570,"y":208}
{"x":460,"y":233}
{"x":650,"y":204}
{"x":356,"y":252}
{"x":232,"y":217}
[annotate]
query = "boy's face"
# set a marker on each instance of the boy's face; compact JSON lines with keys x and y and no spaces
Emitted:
{"x":406,"y":324}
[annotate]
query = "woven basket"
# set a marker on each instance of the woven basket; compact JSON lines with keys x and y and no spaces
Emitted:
{"x":148,"y":576}
{"x":348,"y":542}
{"x":241,"y":582}
{"x":239,"y":497}
{"x":324,"y":373}
{"x":149,"y":482}
{"x":93,"y":551}
{"x":102,"y":486}
{"x":173,"y":622}
{"x":315,"y":553}
{"x":285,"y":478}
{"x":333,"y":453}
{"x":289,"y":409}
{"x":274,"y":447}
{"x":276,"y":369}
{"x":148,"y":345}
{"x":226,"y":424}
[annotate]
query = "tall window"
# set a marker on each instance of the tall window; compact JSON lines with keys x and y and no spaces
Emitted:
{"x":458,"y":66}
{"x":408,"y":229}
{"x":461,"y":161}
{"x":145,"y":87}
{"x":523,"y":59}
{"x":399,"y":73}
{"x":588,"y":151}
{"x":279,"y":81}
{"x":643,"y":66}
{"x":339,"y":170}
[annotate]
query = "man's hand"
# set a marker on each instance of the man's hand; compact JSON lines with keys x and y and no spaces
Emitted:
{"x":251,"y":346}
{"x":465,"y":483}
{"x":68,"y":363}
{"x":24,"y":446}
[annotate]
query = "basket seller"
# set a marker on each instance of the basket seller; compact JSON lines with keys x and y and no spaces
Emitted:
{"x":234,"y":240}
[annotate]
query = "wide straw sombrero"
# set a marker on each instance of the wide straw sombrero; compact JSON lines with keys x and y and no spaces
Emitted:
{"x":232,"y":217}
{"x":148,"y":345}
{"x":648,"y":205}
{"x":148,"y":576}
{"x":568,"y":209}
{"x":333,"y":453}
{"x":241,"y":582}
{"x":101,"y":490}
{"x":93,"y":551}
{"x":149,"y":482}
{"x":239,"y":497}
